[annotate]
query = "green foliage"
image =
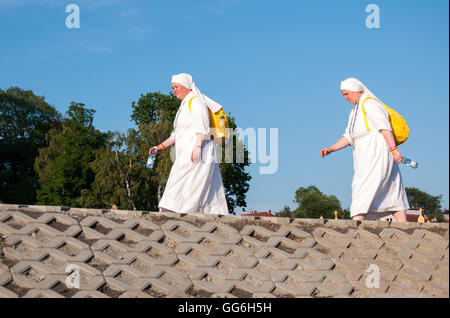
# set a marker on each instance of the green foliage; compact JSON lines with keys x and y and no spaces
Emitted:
{"x":235,"y":179}
{"x":121,"y":177}
{"x":68,"y":162}
{"x":313,"y":204}
{"x":347,"y":214}
{"x":438,"y":215}
{"x":286,"y":212}
{"x":154,"y":113}
{"x":63,"y":166}
{"x":430,"y":204}
{"x":155,"y":108}
{"x":24,"y":121}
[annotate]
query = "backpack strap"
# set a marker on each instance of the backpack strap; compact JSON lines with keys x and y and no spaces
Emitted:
{"x":364,"y":112}
{"x":190,"y":103}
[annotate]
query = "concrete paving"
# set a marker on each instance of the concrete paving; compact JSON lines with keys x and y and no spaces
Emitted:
{"x":50,"y":251}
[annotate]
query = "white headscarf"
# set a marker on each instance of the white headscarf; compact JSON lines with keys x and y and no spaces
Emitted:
{"x":354,"y":85}
{"x":186,"y":80}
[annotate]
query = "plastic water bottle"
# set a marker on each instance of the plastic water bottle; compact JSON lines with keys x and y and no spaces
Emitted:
{"x":151,"y":159}
{"x":410,"y":163}
{"x":222,"y":121}
{"x":220,"y":132}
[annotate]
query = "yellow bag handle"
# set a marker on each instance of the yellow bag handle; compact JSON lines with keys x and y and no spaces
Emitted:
{"x":364,"y":112}
{"x":190,"y":103}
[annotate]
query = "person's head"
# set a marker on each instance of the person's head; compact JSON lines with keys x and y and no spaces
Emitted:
{"x":352,"y":89}
{"x":181,"y":85}
{"x":179,"y":90}
{"x":351,"y":96}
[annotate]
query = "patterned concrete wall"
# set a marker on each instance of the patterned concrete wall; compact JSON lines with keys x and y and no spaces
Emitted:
{"x":141,"y":254}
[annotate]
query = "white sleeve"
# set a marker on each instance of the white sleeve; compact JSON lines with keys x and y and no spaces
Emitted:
{"x":173,"y":134}
{"x":347,"y":130}
{"x":377,"y":115}
{"x":201,"y":116}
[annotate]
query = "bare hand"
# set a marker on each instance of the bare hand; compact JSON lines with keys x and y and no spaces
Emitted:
{"x":325,"y":152}
{"x":196,"y":153}
{"x":155,"y":149}
{"x":398,"y":156}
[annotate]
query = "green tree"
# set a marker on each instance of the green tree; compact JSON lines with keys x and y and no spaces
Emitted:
{"x":155,"y":108}
{"x":313,"y":204}
{"x":24,"y":121}
{"x":235,"y":179}
{"x":154,"y":114}
{"x":286,"y":212}
{"x":347,"y":214}
{"x":430,"y":204}
{"x":63,"y":166}
{"x":121,"y":177}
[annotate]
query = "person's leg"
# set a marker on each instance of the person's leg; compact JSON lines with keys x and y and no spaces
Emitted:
{"x":400,"y":216}
{"x":359,"y":217}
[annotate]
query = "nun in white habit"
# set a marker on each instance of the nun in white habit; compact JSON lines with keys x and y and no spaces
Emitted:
{"x":195,"y":183}
{"x":377,"y":187}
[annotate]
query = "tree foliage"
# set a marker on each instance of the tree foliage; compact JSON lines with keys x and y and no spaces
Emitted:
{"x":430,"y":204}
{"x":286,"y":212}
{"x":25,"y":119}
{"x":235,"y":179}
{"x":346,"y":213}
{"x":63,"y":166}
{"x":121,"y":178}
{"x":154,"y":114}
{"x":155,"y":108}
{"x":313,"y":204}
{"x":45,"y":159}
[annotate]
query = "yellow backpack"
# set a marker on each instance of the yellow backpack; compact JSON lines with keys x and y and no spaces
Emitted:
{"x":218,"y":123}
{"x":398,"y":123}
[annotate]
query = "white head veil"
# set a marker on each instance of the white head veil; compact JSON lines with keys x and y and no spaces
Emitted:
{"x":186,"y":80}
{"x":354,"y":85}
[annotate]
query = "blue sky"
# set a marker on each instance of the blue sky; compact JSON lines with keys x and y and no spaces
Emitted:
{"x":272,"y":64}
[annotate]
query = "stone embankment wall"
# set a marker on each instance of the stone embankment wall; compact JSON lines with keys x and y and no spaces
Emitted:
{"x":46,"y":251}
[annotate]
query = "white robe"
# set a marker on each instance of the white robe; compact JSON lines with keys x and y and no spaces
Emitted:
{"x":194,"y":187}
{"x":377,"y":184}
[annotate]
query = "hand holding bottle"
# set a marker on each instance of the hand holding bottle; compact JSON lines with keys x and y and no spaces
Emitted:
{"x":398,"y":157}
{"x":155,"y":149}
{"x":151,"y":159}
